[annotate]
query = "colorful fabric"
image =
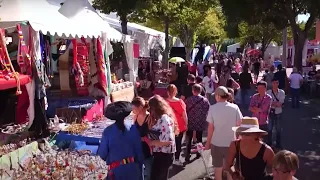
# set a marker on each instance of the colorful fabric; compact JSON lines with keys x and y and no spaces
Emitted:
{"x":81,"y":66}
{"x":264,"y":104}
{"x":22,"y":106}
{"x":197,"y":110}
{"x":101,"y":68}
{"x":166,"y":126}
{"x":24,"y":59}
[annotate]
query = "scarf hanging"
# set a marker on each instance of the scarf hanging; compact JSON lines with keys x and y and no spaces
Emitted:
{"x":24,"y":59}
{"x":101,"y":68}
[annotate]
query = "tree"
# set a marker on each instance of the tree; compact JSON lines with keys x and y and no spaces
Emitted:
{"x":262,"y":33}
{"x":280,"y":12}
{"x":123,"y":9}
{"x":165,"y":11}
{"x":180,"y":17}
{"x":211,"y":29}
{"x":189,"y":20}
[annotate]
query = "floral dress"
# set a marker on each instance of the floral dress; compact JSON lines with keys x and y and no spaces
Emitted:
{"x":166,"y":129}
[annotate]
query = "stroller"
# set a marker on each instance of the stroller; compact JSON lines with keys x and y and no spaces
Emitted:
{"x":199,"y":149}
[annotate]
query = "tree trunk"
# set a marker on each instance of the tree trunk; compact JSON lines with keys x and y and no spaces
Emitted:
{"x":124,"y":22}
{"x":187,"y":39}
{"x":188,"y":53}
{"x":299,"y":42}
{"x":263,"y":47}
{"x":167,"y":48}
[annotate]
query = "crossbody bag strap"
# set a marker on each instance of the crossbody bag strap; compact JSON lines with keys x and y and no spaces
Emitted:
{"x":238,"y":154}
{"x":275,"y":96}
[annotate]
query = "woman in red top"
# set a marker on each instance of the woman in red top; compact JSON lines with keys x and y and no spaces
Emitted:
{"x":179,"y":109}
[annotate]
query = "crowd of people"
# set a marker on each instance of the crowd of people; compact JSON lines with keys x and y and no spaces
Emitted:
{"x":147,"y":148}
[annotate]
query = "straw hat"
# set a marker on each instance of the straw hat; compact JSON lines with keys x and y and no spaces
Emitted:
{"x":249,"y":125}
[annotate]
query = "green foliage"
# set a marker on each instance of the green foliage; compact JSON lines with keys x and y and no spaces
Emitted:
{"x":259,"y":33}
{"x":282,"y":13}
{"x":123,"y":9}
{"x":211,"y":29}
{"x":160,"y":10}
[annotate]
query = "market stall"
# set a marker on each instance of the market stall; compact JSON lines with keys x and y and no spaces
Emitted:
{"x":40,"y":44}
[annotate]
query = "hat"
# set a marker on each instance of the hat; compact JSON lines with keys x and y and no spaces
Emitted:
{"x":221,"y":91}
{"x":118,"y":110}
{"x":249,"y":125}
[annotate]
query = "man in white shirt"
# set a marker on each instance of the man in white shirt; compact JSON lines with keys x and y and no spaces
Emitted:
{"x":222,"y":116}
{"x":296,"y":81}
{"x":208,"y":82}
{"x":278,"y":97}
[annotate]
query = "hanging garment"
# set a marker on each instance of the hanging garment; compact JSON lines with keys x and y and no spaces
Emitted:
{"x":39,"y":124}
{"x":64,"y":71}
{"x":101,"y":65}
{"x":81,"y":66}
{"x":24,"y":59}
{"x":22,"y":106}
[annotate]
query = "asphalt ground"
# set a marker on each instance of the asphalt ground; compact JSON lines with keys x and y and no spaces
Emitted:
{"x":301,"y":134}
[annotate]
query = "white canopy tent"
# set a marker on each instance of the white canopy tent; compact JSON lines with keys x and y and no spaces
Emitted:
{"x":83,"y":13}
{"x":146,"y":37}
{"x":43,"y":17}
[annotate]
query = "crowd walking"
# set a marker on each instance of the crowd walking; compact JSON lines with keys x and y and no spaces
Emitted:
{"x":153,"y":143}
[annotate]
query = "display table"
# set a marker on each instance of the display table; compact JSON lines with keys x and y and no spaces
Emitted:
{"x":87,"y":140}
{"x":13,"y":158}
{"x":80,"y":108}
{"x":11,"y":83}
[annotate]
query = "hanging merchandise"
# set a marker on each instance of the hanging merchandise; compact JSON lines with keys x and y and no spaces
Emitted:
{"x":39,"y":68}
{"x":81,"y":66}
{"x":101,"y":68}
{"x":24,"y":59}
{"x":8,"y":71}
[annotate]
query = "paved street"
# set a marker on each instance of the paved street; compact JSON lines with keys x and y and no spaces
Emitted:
{"x":300,"y":134}
{"x":301,"y":130}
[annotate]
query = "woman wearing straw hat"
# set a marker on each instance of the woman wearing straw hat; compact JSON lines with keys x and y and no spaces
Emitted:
{"x":251,"y":154}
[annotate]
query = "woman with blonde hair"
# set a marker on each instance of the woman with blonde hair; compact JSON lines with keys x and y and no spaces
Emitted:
{"x":179,"y":109}
{"x":251,"y":154}
{"x":162,"y":130}
{"x":141,"y":115}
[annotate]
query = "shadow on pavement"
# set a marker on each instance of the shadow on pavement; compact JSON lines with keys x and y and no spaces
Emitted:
{"x":301,"y":130}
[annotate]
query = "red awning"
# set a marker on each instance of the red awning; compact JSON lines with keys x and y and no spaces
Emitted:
{"x":11,"y":83}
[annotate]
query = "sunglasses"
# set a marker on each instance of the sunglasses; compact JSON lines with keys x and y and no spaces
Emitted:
{"x":279,"y":170}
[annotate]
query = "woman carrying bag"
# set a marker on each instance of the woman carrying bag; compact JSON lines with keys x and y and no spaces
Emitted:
{"x":251,"y":154}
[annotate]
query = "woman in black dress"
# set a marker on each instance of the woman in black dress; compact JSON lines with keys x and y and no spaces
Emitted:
{"x":139,"y":108}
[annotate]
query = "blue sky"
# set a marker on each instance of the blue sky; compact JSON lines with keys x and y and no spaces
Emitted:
{"x":303,"y":17}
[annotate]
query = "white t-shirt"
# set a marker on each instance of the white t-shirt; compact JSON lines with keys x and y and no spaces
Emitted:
{"x":208,"y":84}
{"x":295,"y":79}
{"x":281,"y":95}
{"x":224,"y":116}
